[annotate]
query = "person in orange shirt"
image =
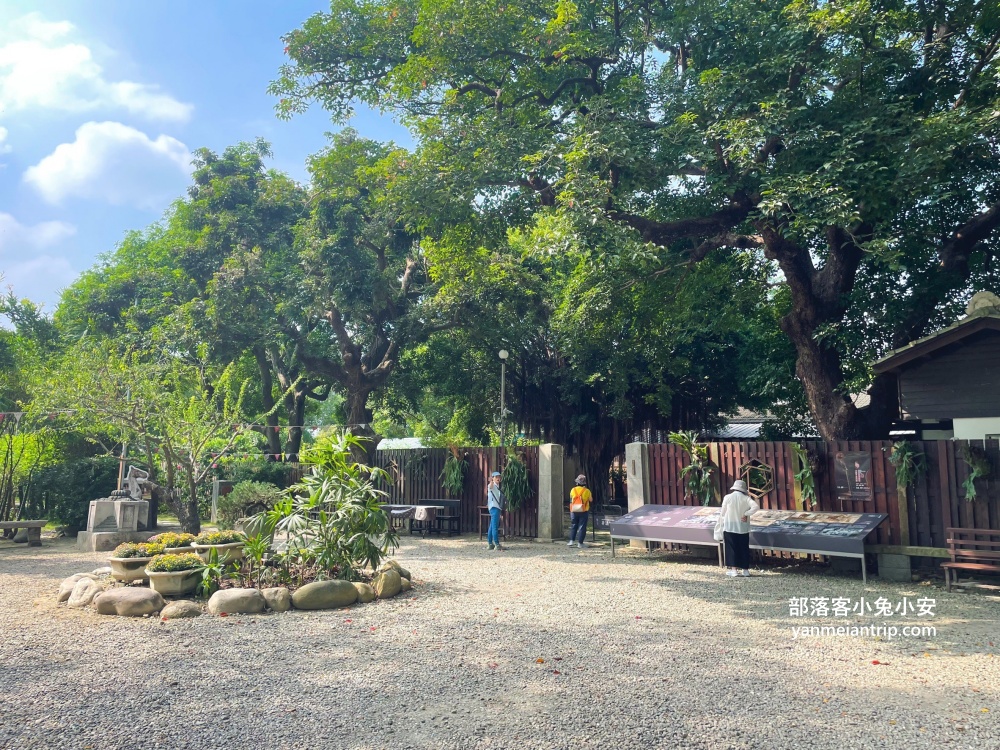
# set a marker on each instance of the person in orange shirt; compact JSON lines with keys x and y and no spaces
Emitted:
{"x":579,"y":507}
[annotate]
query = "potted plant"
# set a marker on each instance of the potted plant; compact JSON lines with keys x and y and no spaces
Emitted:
{"x":174,"y":575}
{"x":174,"y":543}
{"x":128,"y":563}
{"x":228,"y":545}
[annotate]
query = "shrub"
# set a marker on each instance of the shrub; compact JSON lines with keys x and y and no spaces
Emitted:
{"x":62,"y":492}
{"x":220,"y":537}
{"x":143,"y":549}
{"x":246,"y":499}
{"x":173,"y":539}
{"x":172,"y":563}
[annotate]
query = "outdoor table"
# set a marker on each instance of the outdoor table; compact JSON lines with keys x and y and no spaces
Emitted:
{"x":425,"y":515}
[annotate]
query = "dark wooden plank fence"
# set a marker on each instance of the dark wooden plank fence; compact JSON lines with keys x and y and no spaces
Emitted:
{"x":415,"y":477}
{"x":935,"y":502}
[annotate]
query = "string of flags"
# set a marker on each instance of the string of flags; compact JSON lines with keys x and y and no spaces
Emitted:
{"x":16,"y":416}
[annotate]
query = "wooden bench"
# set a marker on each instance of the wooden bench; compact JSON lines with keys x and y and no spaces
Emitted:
{"x":967,"y":552}
{"x":34,"y":529}
{"x":449,"y":520}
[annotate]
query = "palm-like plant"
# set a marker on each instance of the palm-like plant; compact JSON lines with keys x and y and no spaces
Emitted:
{"x":332,"y":520}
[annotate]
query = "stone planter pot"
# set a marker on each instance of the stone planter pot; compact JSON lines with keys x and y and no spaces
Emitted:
{"x":232,"y":552}
{"x":173,"y":582}
{"x":128,"y":569}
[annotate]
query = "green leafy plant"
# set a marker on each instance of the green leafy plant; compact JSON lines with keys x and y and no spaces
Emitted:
{"x":909,"y":463}
{"x":174,"y":563}
{"x":252,"y":568}
{"x":246,"y":499}
{"x":453,"y":474}
{"x":979,"y":468}
{"x":804,"y":474}
{"x":172,"y":539}
{"x":212,"y":572}
{"x":143,"y":549}
{"x":220,"y":537}
{"x":333,"y":519}
{"x":697,"y":475}
{"x":514,"y":482}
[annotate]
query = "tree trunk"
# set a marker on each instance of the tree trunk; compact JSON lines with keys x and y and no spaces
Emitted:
{"x":359,"y":418}
{"x":272,"y":433}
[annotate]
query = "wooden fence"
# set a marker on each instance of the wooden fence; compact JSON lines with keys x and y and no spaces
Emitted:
{"x":935,"y":501}
{"x":415,"y":477}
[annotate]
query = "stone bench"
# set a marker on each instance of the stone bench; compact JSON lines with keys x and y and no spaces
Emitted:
{"x":34,"y":529}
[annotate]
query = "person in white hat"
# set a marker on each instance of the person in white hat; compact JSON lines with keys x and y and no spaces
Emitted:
{"x":733,"y":528}
{"x":495,"y":502}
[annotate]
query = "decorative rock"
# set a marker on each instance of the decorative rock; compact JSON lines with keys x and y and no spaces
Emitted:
{"x":405,"y":584}
{"x":236,"y":601}
{"x":66,"y":587}
{"x":181,"y":608}
{"x":387,"y":584}
{"x":84,"y":592}
{"x":403,"y":572}
{"x":278,"y":599}
{"x":21,"y":536}
{"x":365,"y":593}
{"x":130,"y":601}
{"x":101,"y":572}
{"x":325,"y":595}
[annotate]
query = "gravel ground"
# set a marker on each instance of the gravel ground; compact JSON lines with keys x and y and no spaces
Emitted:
{"x":639,"y":652}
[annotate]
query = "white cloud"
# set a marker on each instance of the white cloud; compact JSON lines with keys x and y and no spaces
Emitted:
{"x":39,"y":278}
{"x":19,"y":241}
{"x":5,"y":148}
{"x":116,"y":163}
{"x":40,"y":68}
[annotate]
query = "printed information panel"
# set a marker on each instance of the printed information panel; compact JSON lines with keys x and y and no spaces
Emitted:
{"x":811,"y":531}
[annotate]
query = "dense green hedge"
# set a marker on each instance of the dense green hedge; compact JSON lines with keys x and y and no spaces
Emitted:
{"x":62,"y":492}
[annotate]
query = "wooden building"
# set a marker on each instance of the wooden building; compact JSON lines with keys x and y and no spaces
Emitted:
{"x":949,"y":382}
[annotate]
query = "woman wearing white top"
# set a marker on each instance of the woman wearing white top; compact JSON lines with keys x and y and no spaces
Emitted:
{"x":733,"y":527}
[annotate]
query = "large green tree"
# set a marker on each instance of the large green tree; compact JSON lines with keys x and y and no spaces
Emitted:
{"x":853,"y":143}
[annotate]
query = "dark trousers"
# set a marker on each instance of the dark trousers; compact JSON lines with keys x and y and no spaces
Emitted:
{"x":737,"y":550}
{"x":577,"y":526}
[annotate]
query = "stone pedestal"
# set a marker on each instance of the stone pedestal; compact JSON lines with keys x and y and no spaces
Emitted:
{"x":104,"y":541}
{"x":894,"y":567}
{"x":550,"y":492}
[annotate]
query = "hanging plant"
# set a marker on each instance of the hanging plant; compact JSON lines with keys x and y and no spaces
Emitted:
{"x":979,"y":468}
{"x":514,"y":482}
{"x":453,"y":474}
{"x":910,"y":464}
{"x":696,"y":476}
{"x":804,"y":475}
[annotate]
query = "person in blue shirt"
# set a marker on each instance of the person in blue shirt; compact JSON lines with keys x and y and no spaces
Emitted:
{"x":494,"y":502}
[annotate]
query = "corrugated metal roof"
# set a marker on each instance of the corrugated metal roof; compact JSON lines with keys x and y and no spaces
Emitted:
{"x":388,"y":444}
{"x":739,"y":431}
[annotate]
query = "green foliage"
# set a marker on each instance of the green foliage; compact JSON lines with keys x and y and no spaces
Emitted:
{"x":333,"y":518}
{"x":62,"y":491}
{"x":173,"y":540}
{"x":212,"y":572}
{"x":910,"y":464}
{"x":143,"y":549}
{"x":453,"y":474}
{"x":173,"y":563}
{"x":697,"y":475}
{"x":804,"y":474}
{"x":514,"y":482}
{"x":979,"y":465}
{"x":246,"y":499}
{"x":220,"y":537}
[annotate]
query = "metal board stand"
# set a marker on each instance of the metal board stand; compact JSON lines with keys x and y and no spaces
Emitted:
{"x":717,"y":545}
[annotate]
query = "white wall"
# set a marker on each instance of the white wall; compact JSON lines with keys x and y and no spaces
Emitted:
{"x":976,"y":429}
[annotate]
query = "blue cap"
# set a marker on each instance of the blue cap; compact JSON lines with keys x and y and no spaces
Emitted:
{"x":495,"y":474}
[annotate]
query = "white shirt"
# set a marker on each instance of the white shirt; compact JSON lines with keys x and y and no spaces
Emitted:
{"x":735,"y":507}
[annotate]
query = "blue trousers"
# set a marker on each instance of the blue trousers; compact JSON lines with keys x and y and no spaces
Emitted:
{"x":493,"y":535}
{"x":577,"y":526}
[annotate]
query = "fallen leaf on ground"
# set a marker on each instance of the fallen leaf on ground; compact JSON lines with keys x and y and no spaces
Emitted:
{"x":539,"y":660}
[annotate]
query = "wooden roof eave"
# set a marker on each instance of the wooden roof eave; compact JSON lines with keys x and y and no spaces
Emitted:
{"x":921,"y":348}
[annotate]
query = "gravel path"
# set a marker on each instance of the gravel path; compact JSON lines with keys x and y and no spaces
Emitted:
{"x":638,"y":653}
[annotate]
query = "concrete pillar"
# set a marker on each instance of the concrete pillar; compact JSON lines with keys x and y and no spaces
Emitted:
{"x":550,"y":492}
{"x":894,"y":567}
{"x":637,"y":479}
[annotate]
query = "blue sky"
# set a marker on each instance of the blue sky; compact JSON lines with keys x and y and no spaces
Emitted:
{"x":101,"y":104}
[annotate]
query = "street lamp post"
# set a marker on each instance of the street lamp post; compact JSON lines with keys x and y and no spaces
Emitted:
{"x":503,"y":395}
